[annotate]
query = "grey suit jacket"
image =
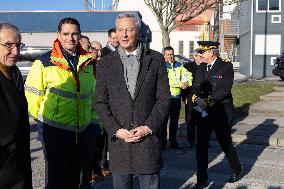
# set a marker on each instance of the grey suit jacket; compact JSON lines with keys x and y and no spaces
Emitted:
{"x":117,"y":109}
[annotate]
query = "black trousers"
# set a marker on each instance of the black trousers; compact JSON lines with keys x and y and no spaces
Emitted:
{"x":219,"y":121}
{"x":100,"y":153}
{"x":173,"y":114}
{"x":191,"y":120}
{"x":67,"y":163}
{"x":15,"y":162}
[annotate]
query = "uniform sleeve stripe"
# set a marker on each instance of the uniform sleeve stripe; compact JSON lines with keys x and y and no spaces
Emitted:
{"x":34,"y":90}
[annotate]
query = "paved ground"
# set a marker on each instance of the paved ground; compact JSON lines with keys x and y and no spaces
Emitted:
{"x":264,"y":168}
{"x":259,"y":139}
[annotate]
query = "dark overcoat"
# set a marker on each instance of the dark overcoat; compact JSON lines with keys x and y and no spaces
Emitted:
{"x":105,"y":51}
{"x":15,"y":160}
{"x":117,"y":109}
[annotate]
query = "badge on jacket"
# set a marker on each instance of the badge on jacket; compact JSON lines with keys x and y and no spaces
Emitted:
{"x":217,"y":76}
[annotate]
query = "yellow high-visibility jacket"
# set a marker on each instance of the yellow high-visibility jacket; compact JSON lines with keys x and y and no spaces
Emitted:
{"x":177,"y":75}
{"x":57,"y":96}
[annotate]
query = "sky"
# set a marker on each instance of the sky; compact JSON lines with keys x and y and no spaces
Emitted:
{"x":28,"y":5}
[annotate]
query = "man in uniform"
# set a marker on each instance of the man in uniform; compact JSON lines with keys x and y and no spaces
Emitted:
{"x":213,"y":83}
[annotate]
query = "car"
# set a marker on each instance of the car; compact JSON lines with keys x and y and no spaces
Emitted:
{"x":182,"y":59}
{"x":27,"y":56}
{"x":279,"y":66}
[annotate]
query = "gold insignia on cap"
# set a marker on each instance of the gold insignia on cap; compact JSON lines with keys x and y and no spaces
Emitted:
{"x":205,"y":47}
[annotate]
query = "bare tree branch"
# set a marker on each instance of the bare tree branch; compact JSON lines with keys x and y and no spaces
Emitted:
{"x":173,"y":13}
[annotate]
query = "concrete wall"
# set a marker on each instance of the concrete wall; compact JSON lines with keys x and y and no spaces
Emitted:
{"x":175,"y":36}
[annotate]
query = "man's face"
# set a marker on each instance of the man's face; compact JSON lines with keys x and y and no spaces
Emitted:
{"x":127,"y":33}
{"x":85,"y":43}
{"x":97,"y":47}
{"x":69,"y":37}
{"x":169,"y":55}
{"x":113,"y":39}
{"x":10,"y":47}
{"x":207,"y":56}
{"x":198,"y":58}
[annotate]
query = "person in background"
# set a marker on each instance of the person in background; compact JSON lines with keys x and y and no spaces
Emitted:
{"x":100,"y":165}
{"x":190,"y":114}
{"x":102,"y":141}
{"x":60,"y":90}
{"x":85,"y":43}
{"x":112,"y":43}
{"x":132,"y":100}
{"x":179,"y":78}
{"x":213,"y":98}
{"x":15,"y":158}
{"x":96,"y":46}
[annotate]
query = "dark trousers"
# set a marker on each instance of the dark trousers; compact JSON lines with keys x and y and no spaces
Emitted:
{"x":67,"y":159}
{"x":147,"y":181}
{"x":173,"y":114}
{"x":218,"y":121}
{"x":65,"y":163}
{"x":100,"y":153}
{"x":15,"y":162}
{"x":190,"y":118}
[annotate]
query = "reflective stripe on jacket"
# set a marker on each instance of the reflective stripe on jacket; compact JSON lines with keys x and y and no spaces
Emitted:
{"x":177,"y":75}
{"x":59,"y":97}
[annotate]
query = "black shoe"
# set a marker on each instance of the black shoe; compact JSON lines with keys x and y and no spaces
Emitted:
{"x":235,"y":177}
{"x":176,"y":146}
{"x":200,"y":185}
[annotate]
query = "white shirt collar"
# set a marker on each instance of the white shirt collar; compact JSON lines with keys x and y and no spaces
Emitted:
{"x":212,"y":63}
{"x":132,"y":53}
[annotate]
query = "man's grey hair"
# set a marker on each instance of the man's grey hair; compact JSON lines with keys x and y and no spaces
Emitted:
{"x":130,"y":15}
{"x":10,"y":26}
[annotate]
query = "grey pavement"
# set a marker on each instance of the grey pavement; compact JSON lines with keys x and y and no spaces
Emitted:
{"x":258,"y":138}
{"x":263,"y":165}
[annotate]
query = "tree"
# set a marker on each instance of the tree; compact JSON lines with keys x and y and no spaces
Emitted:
{"x":167,"y":12}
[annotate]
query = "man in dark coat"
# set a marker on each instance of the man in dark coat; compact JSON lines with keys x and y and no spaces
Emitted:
{"x":15,"y":159}
{"x":132,"y":99}
{"x":112,"y":43}
{"x":212,"y":85}
{"x":190,"y":114}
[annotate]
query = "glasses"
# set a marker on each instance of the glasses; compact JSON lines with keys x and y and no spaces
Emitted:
{"x":10,"y":46}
